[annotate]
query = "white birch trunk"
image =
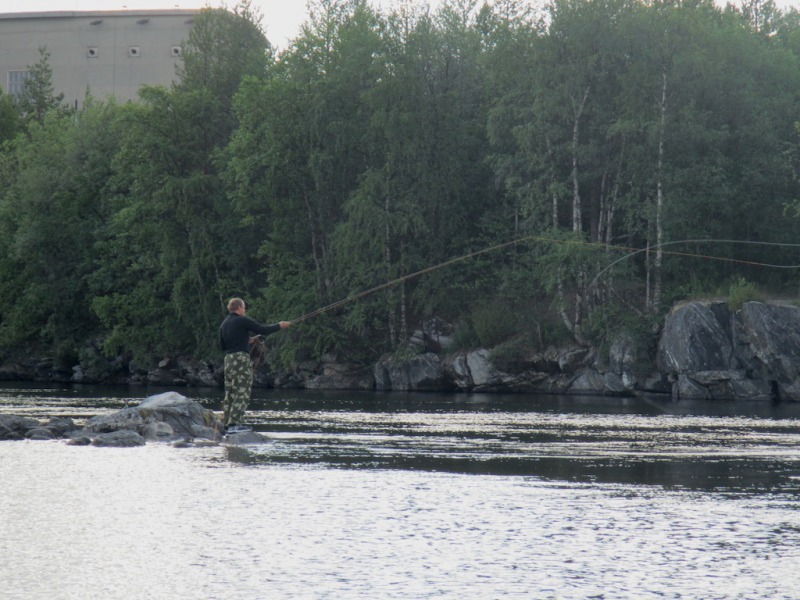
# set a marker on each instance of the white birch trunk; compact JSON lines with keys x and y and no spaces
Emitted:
{"x":660,"y":197}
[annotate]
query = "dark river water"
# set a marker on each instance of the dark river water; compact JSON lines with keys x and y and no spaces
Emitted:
{"x":412,"y":496}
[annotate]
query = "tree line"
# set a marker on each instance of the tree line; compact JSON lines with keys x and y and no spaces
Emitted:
{"x":601,"y":134}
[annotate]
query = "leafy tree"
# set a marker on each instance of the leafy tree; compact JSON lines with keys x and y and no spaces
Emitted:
{"x":174,"y":225}
{"x":38,"y":97}
{"x":420,"y":198}
{"x":380,"y":144}
{"x":52,"y":206}
{"x":10,"y":122}
{"x":299,"y":152}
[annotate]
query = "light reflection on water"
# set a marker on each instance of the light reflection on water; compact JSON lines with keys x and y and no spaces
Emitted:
{"x":412,"y":497}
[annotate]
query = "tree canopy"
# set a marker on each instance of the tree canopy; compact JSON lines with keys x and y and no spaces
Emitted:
{"x":638,"y":153}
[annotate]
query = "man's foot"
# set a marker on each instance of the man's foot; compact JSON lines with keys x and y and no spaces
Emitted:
{"x":235,"y":428}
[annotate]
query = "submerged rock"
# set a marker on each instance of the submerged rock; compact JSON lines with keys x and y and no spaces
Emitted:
{"x":246,"y":438}
{"x":119,"y":439}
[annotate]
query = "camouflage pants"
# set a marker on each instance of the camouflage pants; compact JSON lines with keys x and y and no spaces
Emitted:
{"x":238,"y":382}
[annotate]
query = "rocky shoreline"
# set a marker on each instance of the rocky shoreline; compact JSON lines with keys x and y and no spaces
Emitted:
{"x":705,"y":351}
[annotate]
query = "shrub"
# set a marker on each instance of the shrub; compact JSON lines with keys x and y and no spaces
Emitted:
{"x":494,"y":323}
{"x":742,"y":291}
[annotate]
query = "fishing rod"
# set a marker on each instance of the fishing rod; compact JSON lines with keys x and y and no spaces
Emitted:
{"x":630,"y":252}
{"x":394,"y":282}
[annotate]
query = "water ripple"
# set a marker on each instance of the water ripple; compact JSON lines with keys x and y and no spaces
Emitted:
{"x":356,"y":499}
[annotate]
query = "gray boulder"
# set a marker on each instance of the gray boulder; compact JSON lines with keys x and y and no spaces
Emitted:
{"x":768,"y":340}
{"x":588,"y":381}
{"x":418,"y":373}
{"x":342,"y":376}
{"x":614,"y":384}
{"x":119,"y":439}
{"x":457,"y":371}
{"x":245,"y":439}
{"x":481,"y":369}
{"x":622,"y":356}
{"x":475,"y":371}
{"x":157,"y":415}
{"x":15,"y":428}
{"x":40,"y":433}
{"x":694,"y":340}
{"x":687,"y":388}
{"x":19,"y":428}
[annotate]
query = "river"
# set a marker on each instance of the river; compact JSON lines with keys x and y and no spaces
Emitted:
{"x":410,"y":496}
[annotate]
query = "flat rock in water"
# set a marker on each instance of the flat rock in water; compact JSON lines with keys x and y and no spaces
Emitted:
{"x":249,"y":437}
{"x":119,"y":439}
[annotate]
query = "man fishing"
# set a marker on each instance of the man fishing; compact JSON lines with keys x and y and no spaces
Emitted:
{"x":234,"y":338}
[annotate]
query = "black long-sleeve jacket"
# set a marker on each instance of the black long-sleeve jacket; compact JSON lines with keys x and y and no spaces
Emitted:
{"x":235,"y":331}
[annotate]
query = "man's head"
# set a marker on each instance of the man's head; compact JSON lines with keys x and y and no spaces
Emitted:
{"x":236,"y":305}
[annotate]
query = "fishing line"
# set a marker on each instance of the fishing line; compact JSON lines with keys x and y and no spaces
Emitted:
{"x":634,"y":252}
{"x":595,"y":245}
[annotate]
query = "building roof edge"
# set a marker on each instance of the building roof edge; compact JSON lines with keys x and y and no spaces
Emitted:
{"x":69,"y":14}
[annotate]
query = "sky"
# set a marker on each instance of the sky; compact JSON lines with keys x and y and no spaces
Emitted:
{"x":281,"y":18}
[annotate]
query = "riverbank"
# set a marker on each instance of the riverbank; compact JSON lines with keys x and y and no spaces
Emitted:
{"x":704,"y":350}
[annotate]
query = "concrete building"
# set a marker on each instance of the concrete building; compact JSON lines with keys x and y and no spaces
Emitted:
{"x":111,"y":53}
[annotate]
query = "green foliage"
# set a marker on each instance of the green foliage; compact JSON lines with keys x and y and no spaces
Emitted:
{"x":380,"y":145}
{"x":742,"y":291}
{"x":638,"y":330}
{"x":464,"y":337}
{"x":52,"y":210}
{"x":38,"y":97}
{"x":10,"y":122}
{"x":494,"y":323}
{"x":511,"y":356}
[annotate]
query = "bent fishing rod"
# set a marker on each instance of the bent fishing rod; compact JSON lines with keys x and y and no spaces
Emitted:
{"x":630,"y":252}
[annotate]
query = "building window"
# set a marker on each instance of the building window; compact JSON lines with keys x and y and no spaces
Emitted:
{"x":16,"y":80}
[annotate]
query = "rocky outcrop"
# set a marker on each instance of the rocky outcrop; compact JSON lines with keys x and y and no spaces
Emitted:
{"x":706,"y":351}
{"x":166,"y":417}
